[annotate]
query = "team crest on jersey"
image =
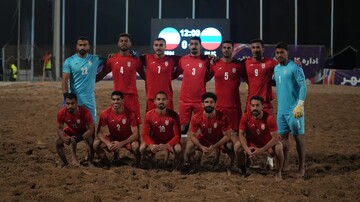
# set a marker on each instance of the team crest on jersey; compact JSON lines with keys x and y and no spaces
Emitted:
{"x":129,"y":63}
{"x":89,"y":62}
{"x":78,"y":121}
{"x":123,"y":121}
{"x":166,"y":122}
{"x":263,"y":65}
{"x":262,"y":126}
{"x":166,"y":63}
{"x":200,"y":65}
{"x":234,"y":70}
{"x":215,"y":125}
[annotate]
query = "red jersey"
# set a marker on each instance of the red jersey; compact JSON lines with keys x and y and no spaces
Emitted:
{"x":124,"y":70}
{"x":195,"y":72}
{"x":227,"y":82}
{"x":161,"y":129}
{"x":259,"y":76}
{"x":159,"y":73}
{"x":258,"y":131}
{"x":78,"y":121}
{"x":119,"y":125}
{"x":211,"y":129}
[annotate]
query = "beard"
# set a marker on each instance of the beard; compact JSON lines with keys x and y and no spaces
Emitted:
{"x":82,"y":52}
{"x":71,"y":111}
{"x":161,"y":106}
{"x":124,"y":49}
{"x":194,"y":51}
{"x":209,"y":109}
{"x":255,"y":112}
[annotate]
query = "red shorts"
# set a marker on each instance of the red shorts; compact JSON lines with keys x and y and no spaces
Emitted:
{"x":254,"y":143}
{"x":71,"y":133}
{"x":151,"y":105}
{"x":267,"y":107}
{"x":112,"y":138}
{"x":234,"y":114}
{"x":186,"y":109}
{"x":207,"y":143}
{"x":132,"y":102}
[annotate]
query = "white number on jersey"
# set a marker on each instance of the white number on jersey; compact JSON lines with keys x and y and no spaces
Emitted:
{"x":256,"y":72}
{"x":226,"y":75}
{"x":159,"y":69}
{"x":162,"y":129}
{"x":121,"y":70}
{"x":84,"y":70}
{"x":118,"y":127}
{"x":193,"y":71}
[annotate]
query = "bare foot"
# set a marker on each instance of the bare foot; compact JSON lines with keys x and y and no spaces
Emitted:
{"x":286,"y":168}
{"x":75,"y":162}
{"x":300,"y":173}
{"x":278,"y":177}
{"x":91,"y":165}
{"x":63,"y":165}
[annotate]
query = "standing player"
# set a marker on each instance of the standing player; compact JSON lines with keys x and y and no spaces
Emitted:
{"x":261,"y":133}
{"x":209,"y":132}
{"x":227,"y":74}
{"x":161,"y":130}
{"x":291,"y":93}
{"x":80,"y":71}
{"x":80,"y":126}
{"x":160,"y":71}
{"x":124,"y":67}
{"x":122,"y":126}
{"x":259,"y":72}
{"x":195,"y":69}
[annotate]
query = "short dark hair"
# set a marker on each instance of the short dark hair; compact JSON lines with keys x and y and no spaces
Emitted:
{"x":209,"y":95}
{"x":258,"y":41}
{"x":160,"y":39}
{"x":228,"y":41}
{"x":119,"y":93}
{"x":70,"y":96}
{"x":282,"y":45}
{"x":196,"y":38}
{"x":83,"y":38}
{"x":124,"y":35}
{"x":161,"y":92}
{"x":257,"y":97}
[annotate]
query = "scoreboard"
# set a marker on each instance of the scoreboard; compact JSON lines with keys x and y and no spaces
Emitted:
{"x":177,"y":33}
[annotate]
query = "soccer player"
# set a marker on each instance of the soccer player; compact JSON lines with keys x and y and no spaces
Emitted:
{"x":261,"y":133}
{"x":291,"y":93}
{"x":80,"y":71}
{"x":124,"y":66}
{"x":209,"y":132}
{"x":227,"y":74}
{"x":80,"y":126}
{"x":160,"y":71}
{"x":195,"y":69}
{"x":118,"y":128}
{"x":161,"y":130}
{"x":259,"y":72}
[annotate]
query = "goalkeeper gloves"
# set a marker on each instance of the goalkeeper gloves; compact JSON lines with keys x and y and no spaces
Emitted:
{"x":299,"y":109}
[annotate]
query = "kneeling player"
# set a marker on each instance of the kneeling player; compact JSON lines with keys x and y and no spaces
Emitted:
{"x":118,"y":128}
{"x":209,"y":132}
{"x":161,"y":131}
{"x":261,"y":133}
{"x":80,"y":126}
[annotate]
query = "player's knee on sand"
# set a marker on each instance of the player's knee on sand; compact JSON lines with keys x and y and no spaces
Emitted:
{"x":135,"y":145}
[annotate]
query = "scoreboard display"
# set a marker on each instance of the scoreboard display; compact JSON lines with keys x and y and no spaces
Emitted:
{"x":177,"y":33}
